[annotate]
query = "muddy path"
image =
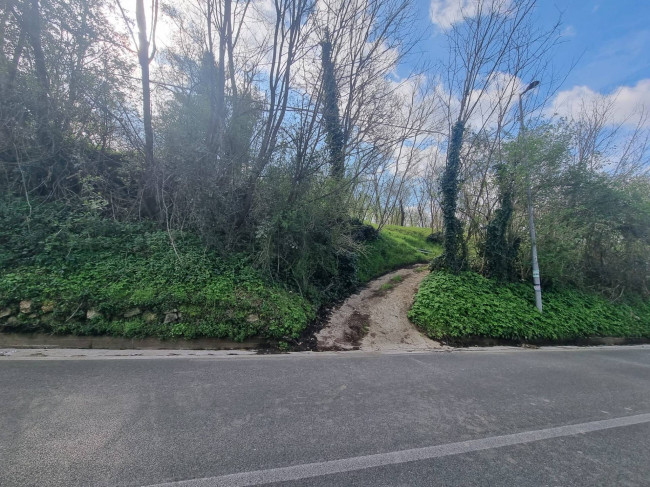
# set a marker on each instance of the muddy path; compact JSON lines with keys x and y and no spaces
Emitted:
{"x":375,"y":318}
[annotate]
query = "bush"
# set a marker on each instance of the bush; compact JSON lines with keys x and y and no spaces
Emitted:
{"x":363,"y":233}
{"x":435,"y":238}
{"x":468,"y":305}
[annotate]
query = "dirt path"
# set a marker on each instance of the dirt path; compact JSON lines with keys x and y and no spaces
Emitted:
{"x":375,"y":318}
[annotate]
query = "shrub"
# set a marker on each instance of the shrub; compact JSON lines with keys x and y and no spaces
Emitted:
{"x":363,"y":233}
{"x":465,"y":305}
{"x":435,"y":238}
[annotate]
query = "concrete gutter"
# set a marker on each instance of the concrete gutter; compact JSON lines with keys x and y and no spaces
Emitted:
{"x":9,"y":354}
{"x":45,"y":341}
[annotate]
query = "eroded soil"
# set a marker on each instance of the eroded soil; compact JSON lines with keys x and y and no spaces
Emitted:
{"x":375,"y":318}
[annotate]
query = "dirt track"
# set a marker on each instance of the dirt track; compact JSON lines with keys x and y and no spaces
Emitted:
{"x":375,"y":318}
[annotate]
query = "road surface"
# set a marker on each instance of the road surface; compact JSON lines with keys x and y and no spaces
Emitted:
{"x":500,"y":417}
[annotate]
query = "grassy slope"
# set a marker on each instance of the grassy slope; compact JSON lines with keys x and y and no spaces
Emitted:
{"x":74,"y":262}
{"x":396,"y":247}
{"x":449,"y":306}
{"x":68,"y":262}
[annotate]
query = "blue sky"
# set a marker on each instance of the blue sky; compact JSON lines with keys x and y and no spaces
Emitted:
{"x":607,"y":40}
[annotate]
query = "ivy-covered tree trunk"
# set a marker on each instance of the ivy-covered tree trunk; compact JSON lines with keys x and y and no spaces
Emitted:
{"x":499,"y":253}
{"x":454,"y":257}
{"x":334,"y":133}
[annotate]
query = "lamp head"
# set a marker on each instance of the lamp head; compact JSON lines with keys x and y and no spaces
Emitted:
{"x":534,"y":84}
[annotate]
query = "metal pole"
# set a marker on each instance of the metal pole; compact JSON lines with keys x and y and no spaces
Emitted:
{"x":531,"y":220}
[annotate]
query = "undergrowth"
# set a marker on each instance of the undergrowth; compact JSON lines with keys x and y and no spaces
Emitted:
{"x":469,"y":305}
{"x":88,"y":275}
{"x":71,"y":262}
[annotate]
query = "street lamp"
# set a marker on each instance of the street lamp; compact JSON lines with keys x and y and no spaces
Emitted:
{"x":531,"y":221}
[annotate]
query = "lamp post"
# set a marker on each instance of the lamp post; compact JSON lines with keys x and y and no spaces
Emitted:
{"x":531,"y":221}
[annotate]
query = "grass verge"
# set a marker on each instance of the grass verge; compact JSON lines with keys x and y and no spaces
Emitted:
{"x":451,"y":306}
{"x":396,"y":247}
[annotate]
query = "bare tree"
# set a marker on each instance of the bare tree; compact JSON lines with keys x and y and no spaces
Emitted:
{"x":146,"y":49}
{"x":620,"y":147}
{"x":392,"y":180}
{"x":498,"y":37}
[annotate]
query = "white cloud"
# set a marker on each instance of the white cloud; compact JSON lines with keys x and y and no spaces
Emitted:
{"x":494,"y":101}
{"x":446,"y":13}
{"x":490,"y":103}
{"x":568,"y":31}
{"x":627,"y":105}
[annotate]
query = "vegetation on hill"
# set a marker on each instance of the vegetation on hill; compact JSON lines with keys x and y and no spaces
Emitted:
{"x":86,"y":275}
{"x":228,"y":200}
{"x":396,"y":247}
{"x":451,"y":306}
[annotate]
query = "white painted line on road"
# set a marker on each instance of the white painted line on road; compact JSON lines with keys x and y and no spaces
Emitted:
{"x":310,"y":470}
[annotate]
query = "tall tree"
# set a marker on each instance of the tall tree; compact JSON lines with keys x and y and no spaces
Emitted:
{"x":146,"y":53}
{"x":334,"y":138}
{"x":496,"y":38}
{"x":32,"y":25}
{"x":146,"y":50}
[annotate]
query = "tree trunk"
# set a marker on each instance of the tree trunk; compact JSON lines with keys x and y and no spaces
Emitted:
{"x":143,"y":58}
{"x":218,"y":92}
{"x":455,"y":252}
{"x":32,"y":23}
{"x":334,"y":132}
{"x":12,"y":70}
{"x":150,"y":181}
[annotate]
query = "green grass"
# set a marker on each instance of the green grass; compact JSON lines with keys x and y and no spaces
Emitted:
{"x":396,"y":247}
{"x":68,"y":261}
{"x":387,"y":286}
{"x":469,"y":305}
{"x":78,"y":262}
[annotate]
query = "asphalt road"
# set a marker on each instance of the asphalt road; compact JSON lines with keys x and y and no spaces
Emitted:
{"x":517,"y":417}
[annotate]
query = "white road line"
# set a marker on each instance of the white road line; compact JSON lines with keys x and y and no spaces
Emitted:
{"x":309,"y":470}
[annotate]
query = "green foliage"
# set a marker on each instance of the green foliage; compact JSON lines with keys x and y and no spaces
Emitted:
{"x":467,"y":305}
{"x":310,"y":246}
{"x":82,"y":262}
{"x":362,"y":232}
{"x":334,"y":133}
{"x":500,"y":252}
{"x":600,"y":238}
{"x":396,"y":247}
{"x":60,"y":81}
{"x":454,"y":257}
{"x":436,"y":238}
{"x":593,"y":227}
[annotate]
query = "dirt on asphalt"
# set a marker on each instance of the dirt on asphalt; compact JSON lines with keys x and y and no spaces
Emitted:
{"x":375,"y":318}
